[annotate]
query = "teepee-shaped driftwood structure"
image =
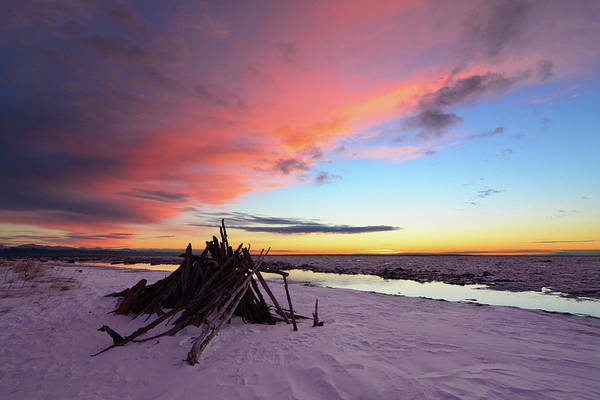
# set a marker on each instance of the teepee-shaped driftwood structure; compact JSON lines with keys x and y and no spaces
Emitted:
{"x":206,"y":290}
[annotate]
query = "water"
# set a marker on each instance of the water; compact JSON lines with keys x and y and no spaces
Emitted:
{"x":575,"y":275}
{"x":146,"y":266}
{"x":546,"y":300}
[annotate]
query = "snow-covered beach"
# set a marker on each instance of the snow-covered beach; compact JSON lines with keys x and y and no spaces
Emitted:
{"x":372,"y":346}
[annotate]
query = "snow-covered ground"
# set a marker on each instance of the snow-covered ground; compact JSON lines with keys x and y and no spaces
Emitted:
{"x":372,"y":346}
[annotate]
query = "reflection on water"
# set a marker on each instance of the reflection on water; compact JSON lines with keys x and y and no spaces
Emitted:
{"x":547,"y":300}
{"x":156,"y":267}
{"x":439,"y":290}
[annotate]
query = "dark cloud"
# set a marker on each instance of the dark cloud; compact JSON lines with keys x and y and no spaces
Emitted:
{"x":118,"y":50}
{"x":60,"y":188}
{"x":52,"y":205}
{"x":119,"y":14}
{"x":156,"y":78}
{"x":13,"y":238}
{"x":289,"y":165}
{"x":287,"y":50}
{"x":484,"y":135}
{"x":342,"y":229}
{"x":156,"y":195}
{"x":433,"y":119}
{"x":545,"y":69}
{"x":455,"y":71}
{"x":324,"y":177}
{"x":488,"y":192}
{"x":142,"y":63}
{"x":433,"y":123}
{"x":491,"y":29}
{"x":46,"y":182}
{"x":314,"y":153}
{"x":240,"y":218}
{"x":466,"y":91}
{"x":107,"y":236}
{"x":284,"y":226}
{"x":507,"y":151}
{"x":340,"y":149}
{"x":218,"y":96}
{"x":45,"y":14}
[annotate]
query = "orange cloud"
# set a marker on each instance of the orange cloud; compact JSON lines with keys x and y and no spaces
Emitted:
{"x":146,"y":121}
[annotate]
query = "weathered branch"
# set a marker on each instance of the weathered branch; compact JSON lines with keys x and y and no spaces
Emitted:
{"x":205,"y":291}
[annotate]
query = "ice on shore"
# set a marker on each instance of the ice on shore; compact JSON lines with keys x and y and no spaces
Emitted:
{"x":372,"y":346}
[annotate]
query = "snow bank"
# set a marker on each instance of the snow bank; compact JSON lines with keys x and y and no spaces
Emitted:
{"x":372,"y":347}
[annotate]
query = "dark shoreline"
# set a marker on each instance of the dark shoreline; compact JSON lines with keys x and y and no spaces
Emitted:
{"x":575,"y":276}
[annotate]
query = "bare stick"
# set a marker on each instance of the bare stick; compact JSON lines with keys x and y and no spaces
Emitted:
{"x":273,"y":299}
{"x":316,"y":321}
{"x":117,"y":339}
{"x":287,"y":292}
{"x":142,"y":330}
{"x":185,"y":276}
{"x":202,"y":341}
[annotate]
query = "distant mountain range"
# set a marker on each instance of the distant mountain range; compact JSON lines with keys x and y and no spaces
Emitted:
{"x":36,"y":250}
{"x":49,"y":251}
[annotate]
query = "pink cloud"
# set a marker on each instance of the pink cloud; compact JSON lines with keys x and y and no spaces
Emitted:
{"x":223,"y":104}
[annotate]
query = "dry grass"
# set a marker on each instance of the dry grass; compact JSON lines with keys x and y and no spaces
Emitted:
{"x":29,"y":270}
{"x":24,"y":277}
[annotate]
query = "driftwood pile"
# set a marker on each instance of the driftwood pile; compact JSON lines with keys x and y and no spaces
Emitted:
{"x":206,"y":290}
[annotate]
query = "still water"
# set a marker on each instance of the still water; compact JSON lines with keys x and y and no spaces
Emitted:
{"x":545,"y":300}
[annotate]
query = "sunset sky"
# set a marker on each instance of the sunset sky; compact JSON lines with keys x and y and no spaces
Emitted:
{"x":310,"y":126}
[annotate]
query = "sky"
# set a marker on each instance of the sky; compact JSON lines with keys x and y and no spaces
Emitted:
{"x":309,"y":126}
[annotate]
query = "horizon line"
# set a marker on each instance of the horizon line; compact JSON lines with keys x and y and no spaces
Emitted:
{"x":541,"y":252}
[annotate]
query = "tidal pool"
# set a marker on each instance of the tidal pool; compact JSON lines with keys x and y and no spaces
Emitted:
{"x":546,"y":300}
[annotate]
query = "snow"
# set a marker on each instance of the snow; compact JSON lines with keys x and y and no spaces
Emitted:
{"x":372,"y":346}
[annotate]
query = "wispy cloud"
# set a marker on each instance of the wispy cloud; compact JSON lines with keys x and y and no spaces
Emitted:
{"x":289,"y":165}
{"x":324,"y":177}
{"x":433,"y":117}
{"x":107,"y":236}
{"x":561,"y":92}
{"x":124,"y":17}
{"x":287,"y":50}
{"x":492,"y":29}
{"x":284,"y":226}
{"x":393,"y":154}
{"x":67,"y":237}
{"x":218,"y":96}
{"x":318,"y":228}
{"x":156,"y":195}
{"x":132,"y":99}
{"x":567,"y":241}
{"x":497,"y":131}
{"x":488,"y":192}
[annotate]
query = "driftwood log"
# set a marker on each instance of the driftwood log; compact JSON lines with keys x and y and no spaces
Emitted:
{"x":206,"y":290}
{"x":131,"y":296}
